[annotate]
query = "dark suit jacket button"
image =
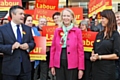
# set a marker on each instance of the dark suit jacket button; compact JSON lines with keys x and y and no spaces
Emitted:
{"x":68,"y":52}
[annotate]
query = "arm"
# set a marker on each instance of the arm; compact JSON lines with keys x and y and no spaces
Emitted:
{"x":108,"y":57}
{"x":30,"y":44}
{"x":80,"y":55}
{"x":80,"y":51}
{"x":5,"y":48}
{"x":116,"y":48}
{"x":52,"y":50}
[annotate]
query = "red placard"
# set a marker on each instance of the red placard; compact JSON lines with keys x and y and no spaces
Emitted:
{"x":31,"y":12}
{"x":39,"y":52}
{"x":96,"y":6}
{"x":88,"y":40}
{"x":78,"y":11}
{"x":47,"y":4}
{"x":6,"y":4}
{"x":108,"y":3}
{"x":42,"y":13}
{"x":88,"y":37}
{"x":48,"y":31}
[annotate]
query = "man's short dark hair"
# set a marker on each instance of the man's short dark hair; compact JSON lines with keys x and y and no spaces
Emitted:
{"x":13,"y":8}
{"x":56,"y":13}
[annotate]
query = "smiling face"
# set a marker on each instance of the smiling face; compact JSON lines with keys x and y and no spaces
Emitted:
{"x":104,"y":21}
{"x":42,"y":22}
{"x":67,"y":17}
{"x":29,"y":21}
{"x":18,"y":16}
{"x":83,"y":27}
{"x":56,"y":19}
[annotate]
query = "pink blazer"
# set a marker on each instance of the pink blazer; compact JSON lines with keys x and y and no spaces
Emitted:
{"x":75,"y":52}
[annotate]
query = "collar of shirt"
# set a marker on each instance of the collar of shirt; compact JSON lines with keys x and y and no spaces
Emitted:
{"x":14,"y":28}
{"x":118,"y":27}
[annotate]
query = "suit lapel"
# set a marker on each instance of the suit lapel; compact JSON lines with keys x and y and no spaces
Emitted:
{"x":23,"y":33}
{"x":10,"y":31}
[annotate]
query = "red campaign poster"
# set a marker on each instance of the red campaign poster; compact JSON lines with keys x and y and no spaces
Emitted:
{"x":97,"y":6}
{"x":88,"y":37}
{"x":6,"y":4}
{"x":43,"y":13}
{"x":78,"y":11}
{"x":48,"y":32}
{"x":88,"y":40}
{"x":47,"y":4}
{"x":39,"y":52}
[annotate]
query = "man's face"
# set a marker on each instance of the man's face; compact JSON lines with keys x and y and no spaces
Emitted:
{"x":56,"y":19}
{"x":42,"y":22}
{"x":18,"y":16}
{"x":118,"y":18}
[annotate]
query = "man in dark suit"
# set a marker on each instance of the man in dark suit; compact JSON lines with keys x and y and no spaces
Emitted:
{"x":16,"y":42}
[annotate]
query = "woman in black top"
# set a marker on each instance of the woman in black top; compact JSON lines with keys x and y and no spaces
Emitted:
{"x":106,"y":48}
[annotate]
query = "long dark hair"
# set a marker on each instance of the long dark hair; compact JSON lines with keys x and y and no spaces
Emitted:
{"x":26,"y":16}
{"x":111,"y":25}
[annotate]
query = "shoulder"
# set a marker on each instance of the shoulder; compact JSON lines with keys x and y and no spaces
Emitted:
{"x":116,"y":34}
{"x":100,"y":33}
{"x":25,"y":26}
{"x":3,"y":26}
{"x":58,"y":29}
{"x":34,"y":28}
{"x":78,"y":30}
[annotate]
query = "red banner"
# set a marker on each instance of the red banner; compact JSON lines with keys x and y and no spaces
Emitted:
{"x":48,"y":31}
{"x":78,"y":11}
{"x":88,"y":37}
{"x":42,"y":13}
{"x":47,"y":4}
{"x":39,"y":52}
{"x":6,"y":4}
{"x":108,"y":3}
{"x":31,"y":12}
{"x":96,"y":6}
{"x":88,"y":40}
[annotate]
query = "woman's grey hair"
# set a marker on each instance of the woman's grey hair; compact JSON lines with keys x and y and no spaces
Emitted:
{"x":84,"y":22}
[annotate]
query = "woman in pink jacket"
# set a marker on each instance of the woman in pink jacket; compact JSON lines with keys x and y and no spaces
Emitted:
{"x":67,"y":54}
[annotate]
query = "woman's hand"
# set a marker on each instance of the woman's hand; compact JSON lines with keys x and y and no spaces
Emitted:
{"x":94,"y":57}
{"x":80,"y":74}
{"x":53,"y":71}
